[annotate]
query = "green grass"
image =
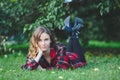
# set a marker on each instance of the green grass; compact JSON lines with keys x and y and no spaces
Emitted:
{"x":105,"y":67}
{"x":103,"y":44}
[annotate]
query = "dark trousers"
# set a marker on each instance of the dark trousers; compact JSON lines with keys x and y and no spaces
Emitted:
{"x":74,"y":46}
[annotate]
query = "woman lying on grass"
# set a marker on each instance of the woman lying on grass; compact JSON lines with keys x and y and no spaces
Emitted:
{"x":45,"y":53}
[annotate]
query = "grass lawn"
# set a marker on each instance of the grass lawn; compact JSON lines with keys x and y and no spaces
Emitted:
{"x":105,"y":67}
{"x":103,"y":44}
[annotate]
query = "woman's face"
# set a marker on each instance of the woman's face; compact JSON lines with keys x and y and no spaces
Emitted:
{"x":44,"y":42}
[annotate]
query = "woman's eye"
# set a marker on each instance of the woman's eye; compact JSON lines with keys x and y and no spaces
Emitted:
{"x":40,"y":40}
{"x":46,"y":39}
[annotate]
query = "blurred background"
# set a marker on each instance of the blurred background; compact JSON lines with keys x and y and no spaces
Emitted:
{"x":18,"y":19}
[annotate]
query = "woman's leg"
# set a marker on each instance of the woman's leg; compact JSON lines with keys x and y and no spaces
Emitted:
{"x":74,"y":46}
{"x":69,"y":46}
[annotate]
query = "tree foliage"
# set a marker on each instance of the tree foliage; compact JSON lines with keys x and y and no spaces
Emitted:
{"x":18,"y":18}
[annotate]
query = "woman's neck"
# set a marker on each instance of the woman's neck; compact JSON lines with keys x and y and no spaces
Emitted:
{"x":46,"y":53}
{"x":47,"y":56}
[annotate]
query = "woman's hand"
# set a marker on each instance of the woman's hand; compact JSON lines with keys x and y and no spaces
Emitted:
{"x":38,"y":55}
{"x":39,"y":51}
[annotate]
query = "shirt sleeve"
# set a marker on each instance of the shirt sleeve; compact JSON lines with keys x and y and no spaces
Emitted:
{"x":30,"y":64}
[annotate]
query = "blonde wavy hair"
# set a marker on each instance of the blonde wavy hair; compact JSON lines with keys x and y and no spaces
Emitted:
{"x":36,"y":37}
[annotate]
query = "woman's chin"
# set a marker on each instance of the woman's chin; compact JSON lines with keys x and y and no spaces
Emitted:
{"x":44,"y":50}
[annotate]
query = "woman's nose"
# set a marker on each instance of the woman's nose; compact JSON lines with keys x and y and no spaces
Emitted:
{"x":43,"y":42}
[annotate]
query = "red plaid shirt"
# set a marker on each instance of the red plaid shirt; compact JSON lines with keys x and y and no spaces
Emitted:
{"x":60,"y":59}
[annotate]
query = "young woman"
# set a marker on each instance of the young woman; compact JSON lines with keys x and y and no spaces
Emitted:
{"x":45,"y":53}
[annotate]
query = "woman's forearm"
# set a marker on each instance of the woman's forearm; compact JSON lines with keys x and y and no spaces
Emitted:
{"x":38,"y":57}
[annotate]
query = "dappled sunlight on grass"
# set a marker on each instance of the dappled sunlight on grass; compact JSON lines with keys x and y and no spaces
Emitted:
{"x":1,"y":69}
{"x":53,"y":72}
{"x":96,"y":69}
{"x":5,"y":56}
{"x":119,"y":67}
{"x":97,"y":66}
{"x":60,"y":77}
